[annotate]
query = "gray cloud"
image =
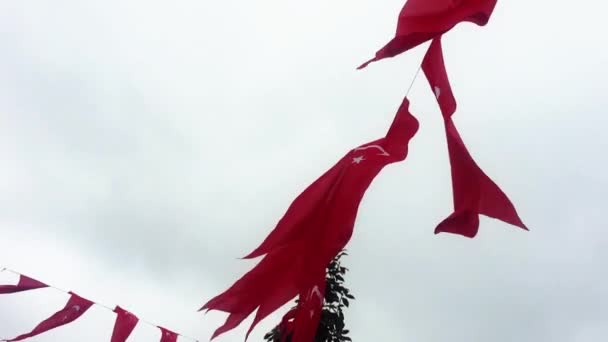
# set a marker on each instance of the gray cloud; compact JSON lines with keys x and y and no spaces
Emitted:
{"x":147,"y":145}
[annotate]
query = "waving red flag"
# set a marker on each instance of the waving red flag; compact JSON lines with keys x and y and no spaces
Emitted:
{"x":307,"y":314}
{"x":124,"y":325}
{"x":75,"y":307}
{"x":167,"y":335}
{"x":25,"y":284}
{"x":317,"y":225}
{"x":357,"y":169}
{"x":423,"y":20}
{"x":474,"y":192}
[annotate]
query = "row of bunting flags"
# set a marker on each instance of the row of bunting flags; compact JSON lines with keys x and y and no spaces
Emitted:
{"x":77,"y":306}
{"x":319,"y":222}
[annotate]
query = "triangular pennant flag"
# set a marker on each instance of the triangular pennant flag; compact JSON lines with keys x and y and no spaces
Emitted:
{"x":124,"y":324}
{"x":75,"y":307}
{"x":25,"y":284}
{"x":473,"y":191}
{"x":167,"y":335}
{"x":423,"y":20}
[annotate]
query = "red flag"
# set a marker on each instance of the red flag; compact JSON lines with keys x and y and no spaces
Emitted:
{"x":302,"y":322}
{"x":308,"y":313}
{"x":423,"y":20}
{"x":474,"y":192}
{"x":25,"y":284}
{"x":286,"y":325}
{"x":167,"y":335}
{"x":317,"y":225}
{"x":359,"y":167}
{"x":124,"y":325}
{"x":75,"y":308}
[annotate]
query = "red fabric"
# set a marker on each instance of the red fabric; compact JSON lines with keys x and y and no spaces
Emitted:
{"x":286,"y":325}
{"x":308,"y":312}
{"x":25,"y":284}
{"x":317,"y":225}
{"x":167,"y":335}
{"x":473,"y":191}
{"x":423,"y":20}
{"x":124,"y":325}
{"x":75,"y":307}
{"x":301,"y":323}
{"x":341,"y":183}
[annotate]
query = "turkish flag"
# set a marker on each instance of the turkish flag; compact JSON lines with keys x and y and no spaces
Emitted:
{"x":167,"y":335}
{"x":308,"y":313}
{"x":25,"y":284}
{"x":423,"y":20}
{"x":315,"y":228}
{"x":343,"y":185}
{"x":473,"y":191}
{"x":124,"y":325}
{"x":75,"y":307}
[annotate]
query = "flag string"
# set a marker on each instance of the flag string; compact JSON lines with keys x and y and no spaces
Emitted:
{"x":413,"y":80}
{"x":6,"y":269}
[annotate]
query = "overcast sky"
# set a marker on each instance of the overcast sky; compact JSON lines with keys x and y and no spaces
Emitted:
{"x":145,"y":145}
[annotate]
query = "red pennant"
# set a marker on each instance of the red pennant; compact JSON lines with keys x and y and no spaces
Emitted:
{"x":24,"y":284}
{"x":308,"y":313}
{"x":167,"y":335}
{"x":474,"y":192}
{"x":75,"y":308}
{"x":317,"y":225}
{"x":301,"y":323}
{"x":124,"y":325}
{"x":423,"y":20}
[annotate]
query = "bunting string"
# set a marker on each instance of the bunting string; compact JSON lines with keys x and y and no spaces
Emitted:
{"x":413,"y":80}
{"x":140,"y":320}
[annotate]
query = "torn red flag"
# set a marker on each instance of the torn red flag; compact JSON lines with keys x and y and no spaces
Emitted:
{"x":307,"y":314}
{"x":25,"y":284}
{"x":124,"y":325}
{"x":423,"y":20}
{"x":473,"y":191}
{"x":167,"y":335}
{"x":347,"y":180}
{"x":286,"y":326}
{"x":75,"y":307}
{"x":317,"y":225}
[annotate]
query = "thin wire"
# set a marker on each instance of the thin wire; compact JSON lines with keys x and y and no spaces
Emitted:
{"x":100,"y":305}
{"x":413,"y":80}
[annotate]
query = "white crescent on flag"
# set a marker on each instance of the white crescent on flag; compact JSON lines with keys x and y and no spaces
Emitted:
{"x":384,"y":153}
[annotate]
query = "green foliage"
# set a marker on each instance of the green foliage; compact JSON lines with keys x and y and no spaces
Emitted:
{"x":337,"y":298}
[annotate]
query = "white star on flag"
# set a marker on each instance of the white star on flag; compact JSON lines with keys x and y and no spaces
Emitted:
{"x":358,"y":160}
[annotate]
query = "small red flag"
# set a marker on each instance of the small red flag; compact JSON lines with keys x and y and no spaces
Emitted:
{"x":308,"y":313}
{"x":301,"y":323}
{"x":75,"y":307}
{"x":317,"y":225}
{"x":25,"y":284}
{"x":167,"y":335}
{"x":423,"y":20}
{"x":124,"y":325}
{"x":474,"y":192}
{"x":286,"y":325}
